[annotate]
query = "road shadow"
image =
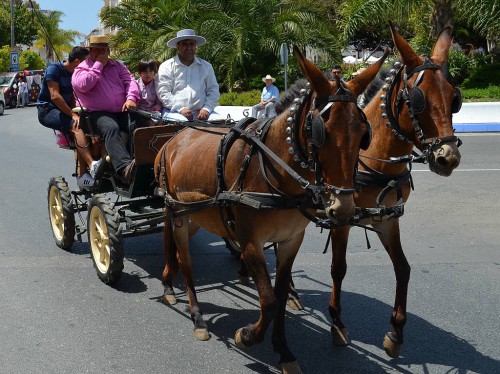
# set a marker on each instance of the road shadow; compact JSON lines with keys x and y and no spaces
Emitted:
{"x":308,"y":331}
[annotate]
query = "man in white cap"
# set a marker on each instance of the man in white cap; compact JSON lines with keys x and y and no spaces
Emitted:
{"x":268,"y":98}
{"x":187,"y":85}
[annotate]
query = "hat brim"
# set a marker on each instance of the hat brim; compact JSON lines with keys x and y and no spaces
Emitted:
{"x":200,"y":40}
{"x":264,"y":80}
{"x":98,"y":45}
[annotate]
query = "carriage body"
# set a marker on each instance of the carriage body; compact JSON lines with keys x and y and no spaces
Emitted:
{"x":114,"y":210}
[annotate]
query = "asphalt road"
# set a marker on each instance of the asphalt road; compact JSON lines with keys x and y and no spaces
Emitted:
{"x":56,"y":316}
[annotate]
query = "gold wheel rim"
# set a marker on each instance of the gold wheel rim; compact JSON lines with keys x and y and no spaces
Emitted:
{"x":99,"y":240}
{"x":56,"y":212}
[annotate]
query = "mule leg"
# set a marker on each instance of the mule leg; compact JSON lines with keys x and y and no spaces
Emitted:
{"x":340,"y":237}
{"x":390,"y":238}
{"x":285,"y":256}
{"x":171,"y":265}
{"x":181,"y":237}
{"x":253,"y":255}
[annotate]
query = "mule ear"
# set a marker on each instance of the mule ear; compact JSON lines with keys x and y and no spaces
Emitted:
{"x":408,"y":55}
{"x":443,"y":43}
{"x":313,"y":75}
{"x":358,"y":84}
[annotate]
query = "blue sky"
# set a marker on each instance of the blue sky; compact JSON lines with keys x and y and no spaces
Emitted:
{"x":80,"y":15}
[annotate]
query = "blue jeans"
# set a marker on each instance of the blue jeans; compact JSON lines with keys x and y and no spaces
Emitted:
{"x":51,"y":117}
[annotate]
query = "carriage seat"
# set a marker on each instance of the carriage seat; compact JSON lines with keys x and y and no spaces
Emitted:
{"x":148,"y":141}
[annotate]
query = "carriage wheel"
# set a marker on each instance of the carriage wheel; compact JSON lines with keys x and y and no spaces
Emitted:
{"x":61,"y":213}
{"x":103,"y":224}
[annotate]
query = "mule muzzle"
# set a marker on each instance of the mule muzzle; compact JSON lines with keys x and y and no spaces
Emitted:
{"x":445,"y":158}
{"x":340,"y":209}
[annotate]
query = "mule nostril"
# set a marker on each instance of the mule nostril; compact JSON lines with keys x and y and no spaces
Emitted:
{"x":441,"y":161}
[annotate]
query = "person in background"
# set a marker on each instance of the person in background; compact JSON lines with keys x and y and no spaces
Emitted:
{"x":187,"y":85}
{"x":107,"y":89}
{"x":268,"y":98}
{"x":22,"y":89}
{"x":336,"y":70}
{"x":54,"y":109}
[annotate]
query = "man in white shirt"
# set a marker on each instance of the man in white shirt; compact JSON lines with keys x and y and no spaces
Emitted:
{"x":186,"y":83}
{"x":21,"y":94}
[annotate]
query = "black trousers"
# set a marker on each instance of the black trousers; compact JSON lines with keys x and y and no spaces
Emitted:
{"x":110,"y":125}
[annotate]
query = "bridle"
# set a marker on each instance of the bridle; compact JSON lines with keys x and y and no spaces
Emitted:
{"x":314,"y":131}
{"x":415,"y":100}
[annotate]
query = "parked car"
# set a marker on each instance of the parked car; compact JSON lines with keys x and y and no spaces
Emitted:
{"x":2,"y":103}
{"x":8,"y":84}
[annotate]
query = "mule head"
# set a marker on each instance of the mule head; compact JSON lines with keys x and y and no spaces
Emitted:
{"x":432,"y":98}
{"x":337,"y":130}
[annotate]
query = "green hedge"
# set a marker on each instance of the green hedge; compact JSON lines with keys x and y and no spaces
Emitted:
{"x":240,"y":99}
{"x":492,"y":93}
{"x":484,"y":76}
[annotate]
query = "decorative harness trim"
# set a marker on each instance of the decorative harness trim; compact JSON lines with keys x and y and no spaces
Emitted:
{"x":388,"y":182}
{"x":397,"y":75}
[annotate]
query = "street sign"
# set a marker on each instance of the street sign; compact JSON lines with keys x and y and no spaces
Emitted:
{"x":14,"y":61}
{"x":284,"y":60}
{"x":284,"y":54}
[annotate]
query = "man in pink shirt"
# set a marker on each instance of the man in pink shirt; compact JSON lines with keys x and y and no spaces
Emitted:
{"x":107,"y":89}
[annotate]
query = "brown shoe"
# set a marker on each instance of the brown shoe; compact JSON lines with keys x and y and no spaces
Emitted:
{"x":128,"y":171}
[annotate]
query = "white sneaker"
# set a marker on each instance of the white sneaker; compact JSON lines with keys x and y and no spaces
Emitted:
{"x":85,"y":181}
{"x":94,"y":166}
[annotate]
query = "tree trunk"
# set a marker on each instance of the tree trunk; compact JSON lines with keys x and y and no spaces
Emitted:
{"x":441,"y":17}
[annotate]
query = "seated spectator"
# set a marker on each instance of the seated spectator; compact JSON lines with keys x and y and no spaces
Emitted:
{"x":149,"y":100}
{"x":268,"y":98}
{"x":107,"y":89}
{"x":187,"y":85}
{"x":54,"y":109}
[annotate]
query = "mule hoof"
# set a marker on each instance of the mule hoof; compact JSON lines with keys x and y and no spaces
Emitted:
{"x":169,"y":299}
{"x":339,"y":337}
{"x":201,"y":334}
{"x":290,"y":368}
{"x":244,"y":280}
{"x":295,"y":304}
{"x":237,"y":339}
{"x":392,"y":348}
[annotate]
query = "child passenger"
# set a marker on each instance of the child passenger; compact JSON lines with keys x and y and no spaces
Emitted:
{"x":149,"y":101}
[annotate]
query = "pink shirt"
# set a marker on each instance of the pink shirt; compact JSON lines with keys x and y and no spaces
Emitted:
{"x":149,"y":100}
{"x":104,"y":87}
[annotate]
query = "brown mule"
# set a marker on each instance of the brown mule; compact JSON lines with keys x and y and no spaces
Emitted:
{"x":303,"y":160}
{"x":422,"y":118}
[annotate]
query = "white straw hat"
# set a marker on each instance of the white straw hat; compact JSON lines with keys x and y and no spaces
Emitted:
{"x":186,"y":34}
{"x":268,"y":77}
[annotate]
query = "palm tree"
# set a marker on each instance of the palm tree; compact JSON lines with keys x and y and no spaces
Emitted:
{"x":51,"y":38}
{"x":423,"y":19}
{"x":244,"y":36}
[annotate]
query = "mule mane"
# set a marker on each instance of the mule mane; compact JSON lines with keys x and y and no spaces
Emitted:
{"x":374,"y":87}
{"x":287,"y":99}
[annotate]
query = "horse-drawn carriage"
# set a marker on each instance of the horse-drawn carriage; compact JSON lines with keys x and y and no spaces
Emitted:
{"x":264,"y":183}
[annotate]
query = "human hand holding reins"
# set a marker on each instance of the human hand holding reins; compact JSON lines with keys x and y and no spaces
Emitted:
{"x":129,"y":104}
